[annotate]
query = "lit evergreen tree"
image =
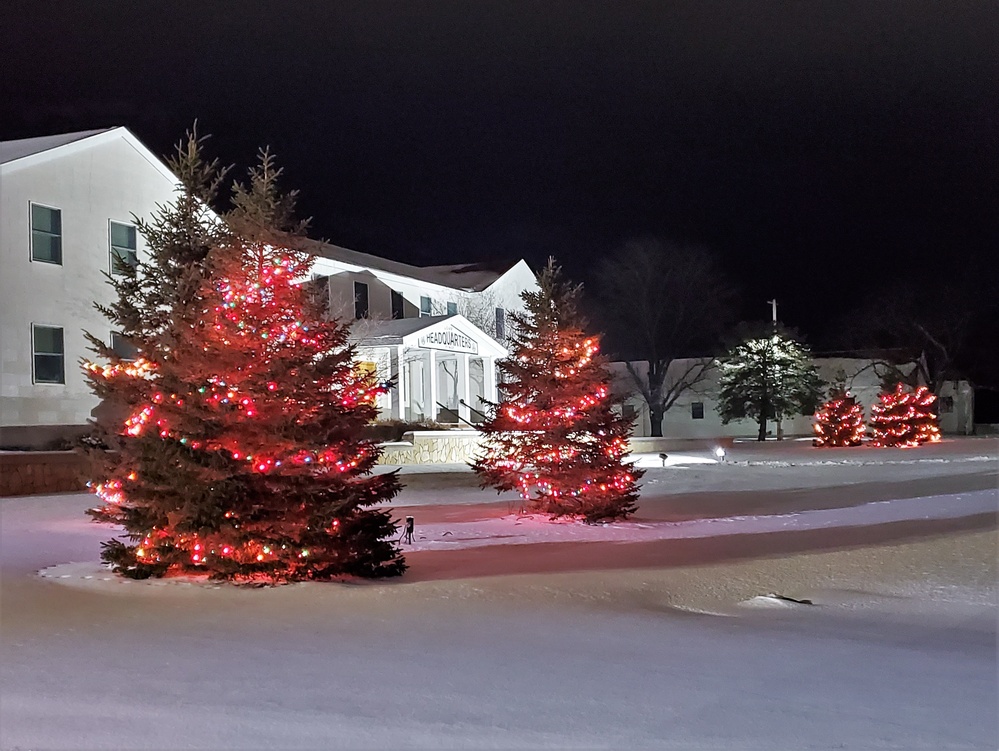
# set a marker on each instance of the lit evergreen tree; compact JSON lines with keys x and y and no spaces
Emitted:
{"x":768,"y":377}
{"x":235,"y":434}
{"x":905,"y":418}
{"x":840,"y":421}
{"x":555,"y":437}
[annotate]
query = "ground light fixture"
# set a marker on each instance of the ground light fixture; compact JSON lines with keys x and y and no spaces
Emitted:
{"x":720,"y":453}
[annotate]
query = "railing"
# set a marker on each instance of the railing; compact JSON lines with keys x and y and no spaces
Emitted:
{"x":455,"y":413}
{"x":482,"y":415}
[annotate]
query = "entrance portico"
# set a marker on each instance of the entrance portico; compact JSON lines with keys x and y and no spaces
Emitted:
{"x":442,"y":367}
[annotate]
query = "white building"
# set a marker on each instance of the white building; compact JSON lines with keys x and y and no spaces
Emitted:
{"x":67,"y":207}
{"x":67,"y":215}
{"x":695,"y":414}
{"x":435,"y":331}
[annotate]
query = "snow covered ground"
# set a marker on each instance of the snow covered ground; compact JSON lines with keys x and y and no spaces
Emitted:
{"x":654,"y":634}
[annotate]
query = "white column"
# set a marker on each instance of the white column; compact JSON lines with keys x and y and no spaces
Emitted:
{"x":464,"y":388}
{"x":400,"y":388}
{"x":489,"y":379}
{"x":430,"y":386}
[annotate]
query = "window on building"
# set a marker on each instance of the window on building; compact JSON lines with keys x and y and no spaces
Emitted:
{"x":946,"y":404}
{"x":500,"y":323}
{"x":123,"y":347}
{"x":46,"y":234}
{"x":49,"y":354}
{"x":398,"y":305}
{"x":360,"y":300}
{"x":452,"y":308}
{"x":697,"y":410}
{"x":124,"y":251}
{"x":426,"y":305}
{"x":628,"y":411}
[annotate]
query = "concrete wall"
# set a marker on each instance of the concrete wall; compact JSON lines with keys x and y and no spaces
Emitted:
{"x":91,"y":185}
{"x":35,"y":472}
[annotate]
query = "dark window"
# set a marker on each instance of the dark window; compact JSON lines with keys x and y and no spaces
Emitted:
{"x":123,"y":247}
{"x":452,"y":308}
{"x":628,"y":411}
{"x":360,"y":300}
{"x":697,"y":410}
{"x":946,"y":404}
{"x":46,"y":234}
{"x":425,"y":307}
{"x":49,"y":354}
{"x":500,"y":323}
{"x":398,"y":305}
{"x":123,"y":347}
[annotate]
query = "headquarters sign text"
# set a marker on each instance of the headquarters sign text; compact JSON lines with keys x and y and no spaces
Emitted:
{"x":449,"y":339}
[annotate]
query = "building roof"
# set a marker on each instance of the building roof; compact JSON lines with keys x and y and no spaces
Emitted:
{"x":25,"y":153}
{"x":392,"y":332}
{"x":11,"y":150}
{"x":470,"y":277}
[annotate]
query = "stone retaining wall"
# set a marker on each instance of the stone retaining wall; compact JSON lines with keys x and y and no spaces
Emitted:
{"x":460,"y":446}
{"x":35,"y":472}
{"x":431,"y":447}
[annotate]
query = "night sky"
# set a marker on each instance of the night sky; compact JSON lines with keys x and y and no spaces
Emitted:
{"x":801,"y":141}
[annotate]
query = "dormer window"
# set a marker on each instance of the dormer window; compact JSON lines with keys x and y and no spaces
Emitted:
{"x":360,"y":300}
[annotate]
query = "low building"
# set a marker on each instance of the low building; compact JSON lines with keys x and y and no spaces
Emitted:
{"x":694,"y":414}
{"x":69,"y":205}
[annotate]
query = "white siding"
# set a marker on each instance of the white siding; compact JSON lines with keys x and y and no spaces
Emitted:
{"x":102,"y":179}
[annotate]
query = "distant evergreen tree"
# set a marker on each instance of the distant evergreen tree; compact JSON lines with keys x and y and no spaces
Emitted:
{"x":554,"y":436}
{"x":905,"y":418}
{"x":768,"y":377}
{"x":235,"y":434}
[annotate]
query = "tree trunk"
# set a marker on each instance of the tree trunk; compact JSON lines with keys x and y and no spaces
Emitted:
{"x":656,"y":414}
{"x":780,"y":429}
{"x":763,"y":428}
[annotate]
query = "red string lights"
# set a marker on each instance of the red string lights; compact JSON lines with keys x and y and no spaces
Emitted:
{"x":555,"y":437}
{"x":839,"y":422}
{"x":237,"y":447}
{"x":904,"y":418}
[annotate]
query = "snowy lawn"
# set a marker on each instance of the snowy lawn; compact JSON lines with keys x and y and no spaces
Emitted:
{"x":898,"y":651}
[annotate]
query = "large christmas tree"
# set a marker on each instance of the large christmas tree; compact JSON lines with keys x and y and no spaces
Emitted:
{"x":840,"y":421}
{"x":766,"y":377}
{"x":235,"y":433}
{"x":904,"y":418}
{"x":555,"y":437}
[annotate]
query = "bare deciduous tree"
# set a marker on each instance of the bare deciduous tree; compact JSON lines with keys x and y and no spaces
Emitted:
{"x":906,"y":325}
{"x":662,"y":302}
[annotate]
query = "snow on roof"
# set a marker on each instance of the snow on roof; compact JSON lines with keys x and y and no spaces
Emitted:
{"x":474,"y":277}
{"x":470,"y":277}
{"x":20,"y":148}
